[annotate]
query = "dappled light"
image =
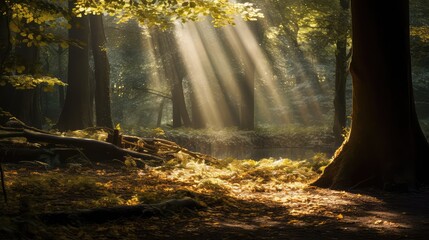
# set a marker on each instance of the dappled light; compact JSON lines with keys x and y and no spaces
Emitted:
{"x":214,"y":119}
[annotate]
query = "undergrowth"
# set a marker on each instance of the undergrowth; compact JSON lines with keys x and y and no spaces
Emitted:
{"x":224,"y":183}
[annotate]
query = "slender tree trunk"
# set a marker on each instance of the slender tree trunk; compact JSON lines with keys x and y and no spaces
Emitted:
{"x":161,"y":109}
{"x":248,"y":98}
{"x":61,"y":89}
{"x":386,"y":146}
{"x":174,"y":72}
{"x":77,"y":110}
{"x":197,"y":113}
{"x":5,"y":44}
{"x":180,"y":113}
{"x":103,"y":114}
{"x":341,"y":73}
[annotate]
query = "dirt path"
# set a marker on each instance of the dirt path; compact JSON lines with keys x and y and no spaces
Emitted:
{"x":305,"y":214}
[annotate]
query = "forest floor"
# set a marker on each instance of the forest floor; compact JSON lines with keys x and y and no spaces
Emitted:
{"x":243,"y":204}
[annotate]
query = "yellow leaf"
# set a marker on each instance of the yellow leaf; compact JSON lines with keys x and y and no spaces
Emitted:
{"x":64,"y":45}
{"x":378,"y":222}
{"x":13,"y":27}
{"x":20,"y":69}
{"x":340,"y":216}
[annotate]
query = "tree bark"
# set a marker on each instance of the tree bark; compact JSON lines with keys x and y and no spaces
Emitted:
{"x":77,"y":110}
{"x":386,"y":146}
{"x":103,"y":114}
{"x":5,"y":44}
{"x":341,"y":73}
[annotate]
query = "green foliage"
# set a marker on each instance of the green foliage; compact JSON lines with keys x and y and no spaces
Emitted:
{"x":164,"y":13}
{"x":26,"y":81}
{"x":33,"y":23}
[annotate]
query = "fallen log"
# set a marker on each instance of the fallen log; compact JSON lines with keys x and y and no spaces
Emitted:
{"x":92,"y":148}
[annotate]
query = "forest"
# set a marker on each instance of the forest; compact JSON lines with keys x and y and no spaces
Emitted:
{"x":214,"y":119}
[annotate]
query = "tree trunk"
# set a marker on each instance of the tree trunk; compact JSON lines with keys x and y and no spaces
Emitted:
{"x":24,"y":103}
{"x":61,"y":89}
{"x":161,"y":109}
{"x":77,"y":113}
{"x":5,"y":44}
{"x":198,"y":120}
{"x":103,"y":114}
{"x":175,"y":72}
{"x":247,"y":121}
{"x":386,"y":146}
{"x":340,"y":116}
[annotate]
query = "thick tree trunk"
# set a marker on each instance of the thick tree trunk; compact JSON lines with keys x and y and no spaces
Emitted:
{"x":77,"y":111}
{"x":102,"y":73}
{"x":341,"y":73}
{"x":386,"y":146}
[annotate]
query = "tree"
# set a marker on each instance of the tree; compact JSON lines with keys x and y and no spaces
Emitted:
{"x":341,"y":59}
{"x":174,"y":72}
{"x":77,"y":110}
{"x":386,"y":146}
{"x":103,"y":114}
{"x":5,"y":45}
{"x":23,"y":32}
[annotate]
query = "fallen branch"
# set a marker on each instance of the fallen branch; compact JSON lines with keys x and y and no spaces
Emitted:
{"x":162,"y":147}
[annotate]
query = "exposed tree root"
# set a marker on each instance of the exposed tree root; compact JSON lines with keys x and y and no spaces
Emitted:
{"x":105,"y":214}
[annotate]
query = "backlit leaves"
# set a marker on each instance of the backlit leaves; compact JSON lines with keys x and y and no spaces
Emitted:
{"x":164,"y":13}
{"x":25,"y":81}
{"x":421,"y":32}
{"x":33,"y":22}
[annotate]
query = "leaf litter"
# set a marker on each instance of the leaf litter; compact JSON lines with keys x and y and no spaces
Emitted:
{"x":246,"y":199}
